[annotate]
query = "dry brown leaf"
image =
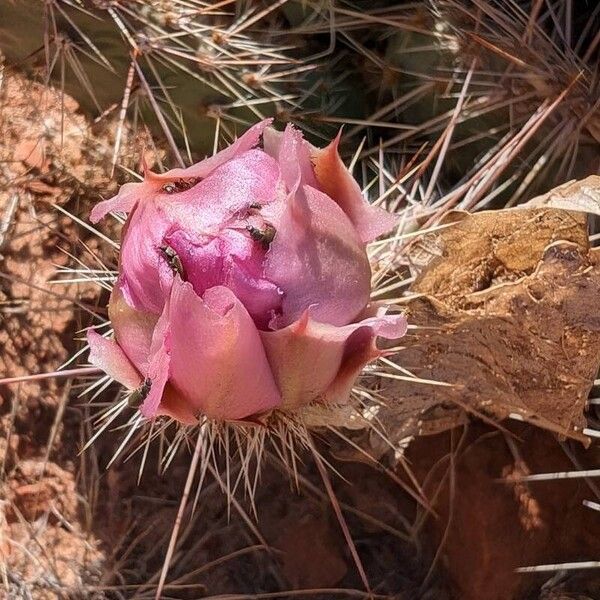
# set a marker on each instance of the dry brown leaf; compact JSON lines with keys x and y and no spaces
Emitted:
{"x":488,"y":248}
{"x":508,"y":312}
{"x":583,"y":195}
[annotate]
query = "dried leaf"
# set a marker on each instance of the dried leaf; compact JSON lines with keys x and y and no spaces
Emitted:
{"x":491,"y":247}
{"x":507,"y":311}
{"x":583,"y":195}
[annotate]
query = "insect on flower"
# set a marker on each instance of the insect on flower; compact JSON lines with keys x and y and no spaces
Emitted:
{"x":173,"y":260}
{"x":179,"y":185}
{"x":139,"y":394}
{"x":265,"y":236}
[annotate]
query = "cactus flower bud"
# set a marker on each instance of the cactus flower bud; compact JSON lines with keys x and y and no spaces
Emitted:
{"x":244,"y":283}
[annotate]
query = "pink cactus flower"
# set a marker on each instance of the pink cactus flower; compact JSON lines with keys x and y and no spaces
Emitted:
{"x":244,"y":283}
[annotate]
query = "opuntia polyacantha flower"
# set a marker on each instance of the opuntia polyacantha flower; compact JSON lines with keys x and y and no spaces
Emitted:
{"x":244,"y":283}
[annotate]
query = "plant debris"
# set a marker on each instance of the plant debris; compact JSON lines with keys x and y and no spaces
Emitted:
{"x":583,"y":195}
{"x":506,"y":311}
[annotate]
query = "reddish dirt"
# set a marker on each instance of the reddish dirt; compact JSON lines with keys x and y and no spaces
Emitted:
{"x":47,"y":545}
{"x":488,"y":524}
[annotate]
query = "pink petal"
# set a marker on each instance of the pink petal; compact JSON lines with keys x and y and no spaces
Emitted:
{"x":313,"y":361}
{"x":159,"y":366}
{"x":133,"y":328}
{"x":260,"y":297}
{"x":144,"y":275}
{"x":226,"y":194}
{"x":130,"y":193}
{"x":174,"y":405}
{"x":272,"y":141}
{"x":216,"y":359}
{"x":125,"y":200}
{"x":233,"y":259}
{"x":107,"y":355}
{"x":191,"y":222}
{"x":318,"y":260}
{"x":337,"y":182}
{"x":293,"y":155}
{"x":205,"y":167}
{"x":362,"y":349}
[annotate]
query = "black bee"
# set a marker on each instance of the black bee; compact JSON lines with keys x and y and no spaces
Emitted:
{"x":140,"y":394}
{"x":264,"y":236}
{"x":180,"y":185}
{"x":173,"y":260}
